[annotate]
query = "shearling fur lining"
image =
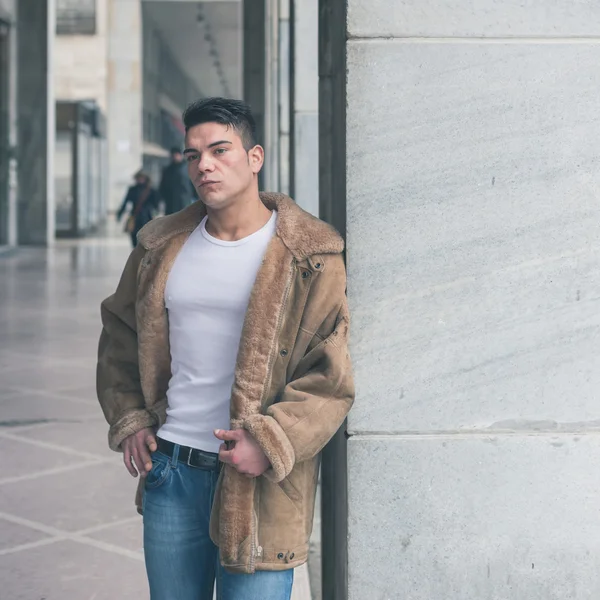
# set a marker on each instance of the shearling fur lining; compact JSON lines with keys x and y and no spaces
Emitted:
{"x":130,"y":423}
{"x":274,"y":443}
{"x":251,"y":372}
{"x":302,"y":233}
{"x":236,"y":518}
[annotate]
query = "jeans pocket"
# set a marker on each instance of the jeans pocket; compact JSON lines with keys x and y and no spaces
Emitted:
{"x":161,"y":469}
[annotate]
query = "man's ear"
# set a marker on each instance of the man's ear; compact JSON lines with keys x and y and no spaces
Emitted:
{"x":256,"y":158}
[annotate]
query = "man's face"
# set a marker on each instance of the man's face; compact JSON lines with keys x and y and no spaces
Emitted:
{"x":218,"y":164}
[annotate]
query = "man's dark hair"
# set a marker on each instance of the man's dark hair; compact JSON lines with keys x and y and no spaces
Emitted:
{"x":233,"y":113}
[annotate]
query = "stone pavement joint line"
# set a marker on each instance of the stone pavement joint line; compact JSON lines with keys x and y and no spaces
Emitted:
{"x":57,"y":447}
{"x":60,"y":535}
{"x":48,"y":472}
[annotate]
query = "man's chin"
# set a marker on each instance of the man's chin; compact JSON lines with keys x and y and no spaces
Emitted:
{"x":212,"y":200}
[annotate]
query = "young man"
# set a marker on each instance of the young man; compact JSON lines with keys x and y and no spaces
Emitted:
{"x":175,"y":188}
{"x":223,"y":371}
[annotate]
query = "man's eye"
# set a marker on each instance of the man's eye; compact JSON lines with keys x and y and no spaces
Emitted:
{"x":192,"y":157}
{"x":220,"y":151}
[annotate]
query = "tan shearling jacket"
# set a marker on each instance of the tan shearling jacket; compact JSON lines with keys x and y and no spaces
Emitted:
{"x":293,"y":382}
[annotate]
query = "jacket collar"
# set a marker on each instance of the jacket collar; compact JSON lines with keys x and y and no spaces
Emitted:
{"x":303,"y":234}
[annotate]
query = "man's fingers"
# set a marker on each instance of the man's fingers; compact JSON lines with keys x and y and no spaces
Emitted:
{"x":151,"y":443}
{"x":231,"y":435}
{"x":139,"y":463}
{"x":127,"y":461}
{"x":145,"y":460}
{"x":226,"y":456}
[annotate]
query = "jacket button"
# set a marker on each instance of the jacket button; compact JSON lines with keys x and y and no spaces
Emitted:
{"x":318,"y":266}
{"x":305,"y":274}
{"x":284,"y":353}
{"x":280,"y":556}
{"x":292,"y":556}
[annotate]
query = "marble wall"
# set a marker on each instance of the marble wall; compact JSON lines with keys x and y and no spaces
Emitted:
{"x":473,"y":219}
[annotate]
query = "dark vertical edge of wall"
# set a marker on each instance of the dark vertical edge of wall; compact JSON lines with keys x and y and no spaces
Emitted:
{"x":32,"y":143}
{"x":332,"y":207}
{"x":292,"y":142}
{"x":332,"y":113}
{"x":254,"y":45}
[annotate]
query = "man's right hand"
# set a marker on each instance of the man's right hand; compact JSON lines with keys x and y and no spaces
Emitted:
{"x":136,"y":451}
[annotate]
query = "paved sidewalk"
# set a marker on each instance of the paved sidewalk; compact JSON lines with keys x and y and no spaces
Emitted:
{"x":68,"y":527}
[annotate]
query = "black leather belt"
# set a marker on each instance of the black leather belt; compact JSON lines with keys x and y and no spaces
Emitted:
{"x":192,"y":457}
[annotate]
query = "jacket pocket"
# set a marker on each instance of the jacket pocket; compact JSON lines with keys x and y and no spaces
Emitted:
{"x":292,"y":494}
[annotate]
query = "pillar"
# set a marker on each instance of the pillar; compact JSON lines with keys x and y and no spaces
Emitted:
{"x":283,"y":91}
{"x":36,"y":125}
{"x":254,"y":76}
{"x":471,"y":213}
{"x":124,"y":118}
{"x":332,"y":208}
{"x":305,"y":104}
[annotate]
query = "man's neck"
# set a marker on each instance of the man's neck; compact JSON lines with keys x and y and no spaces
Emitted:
{"x":239,"y":220}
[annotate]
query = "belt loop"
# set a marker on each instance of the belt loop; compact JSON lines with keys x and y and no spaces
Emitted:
{"x":175,"y":456}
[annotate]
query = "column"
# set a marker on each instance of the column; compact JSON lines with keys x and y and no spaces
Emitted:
{"x":332,"y":208}
{"x":124,"y":96}
{"x":283,"y":91}
{"x":36,"y":125}
{"x":272,"y":97}
{"x":254,"y":76}
{"x":305,"y":104}
{"x":473,"y":274}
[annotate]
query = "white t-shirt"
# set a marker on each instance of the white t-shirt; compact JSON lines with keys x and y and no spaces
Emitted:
{"x":207,"y":296}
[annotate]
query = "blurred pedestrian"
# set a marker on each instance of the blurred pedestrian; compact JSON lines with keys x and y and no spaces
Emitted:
{"x":223,"y":370}
{"x":176,"y":190}
{"x":143,"y":199}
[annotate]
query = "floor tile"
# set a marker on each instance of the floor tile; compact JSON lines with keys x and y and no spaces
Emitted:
{"x":126,"y":535}
{"x":26,"y":459}
{"x":90,"y":437}
{"x":13,"y":536}
{"x":48,"y":377}
{"x":87,"y":497}
{"x":23,"y":407}
{"x":68,"y":570}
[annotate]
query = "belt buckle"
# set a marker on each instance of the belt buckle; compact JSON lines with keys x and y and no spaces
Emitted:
{"x":189,"y":464}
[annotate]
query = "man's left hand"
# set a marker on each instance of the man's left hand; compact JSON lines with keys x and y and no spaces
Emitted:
{"x":246,"y":456}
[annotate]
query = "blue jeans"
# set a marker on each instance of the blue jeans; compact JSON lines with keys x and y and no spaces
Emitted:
{"x":181,"y":561}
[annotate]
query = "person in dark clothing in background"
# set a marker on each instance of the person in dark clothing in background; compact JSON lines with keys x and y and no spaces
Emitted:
{"x":176,"y":189}
{"x":143,"y":199}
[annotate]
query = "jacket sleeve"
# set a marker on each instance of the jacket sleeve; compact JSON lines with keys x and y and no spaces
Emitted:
{"x":118,"y":375}
{"x":315,"y":402}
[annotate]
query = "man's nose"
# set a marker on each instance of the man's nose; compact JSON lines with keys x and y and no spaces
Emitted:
{"x":205,"y":164}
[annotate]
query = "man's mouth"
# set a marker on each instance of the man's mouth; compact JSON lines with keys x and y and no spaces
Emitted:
{"x":204,"y":183}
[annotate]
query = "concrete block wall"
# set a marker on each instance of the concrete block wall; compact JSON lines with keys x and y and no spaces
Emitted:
{"x":473,"y":220}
